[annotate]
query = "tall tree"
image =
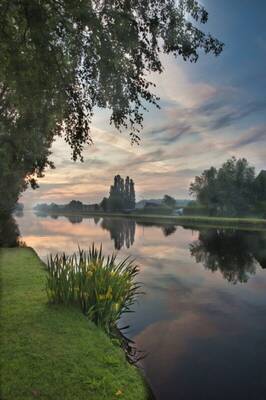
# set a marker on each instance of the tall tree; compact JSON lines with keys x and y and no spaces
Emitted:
{"x":122,"y":195}
{"x":228,"y":190}
{"x":260,"y":186}
{"x":132,"y":196}
{"x":71,"y":57}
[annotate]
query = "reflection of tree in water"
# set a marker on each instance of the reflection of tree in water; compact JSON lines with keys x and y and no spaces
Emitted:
{"x":167,"y":229}
{"x":9,"y":232}
{"x":122,"y":231}
{"x":257,"y":243}
{"x":75,"y":219}
{"x":41,"y":214}
{"x":234,"y":253}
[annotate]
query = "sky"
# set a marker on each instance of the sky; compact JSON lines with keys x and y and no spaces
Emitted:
{"x":210,"y":111}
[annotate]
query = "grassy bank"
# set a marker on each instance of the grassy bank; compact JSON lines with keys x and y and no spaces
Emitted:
{"x":54,"y":352}
{"x":253,"y":223}
{"x":196,"y":221}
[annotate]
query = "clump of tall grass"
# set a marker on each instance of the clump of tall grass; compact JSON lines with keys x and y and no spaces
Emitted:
{"x":103,"y":288}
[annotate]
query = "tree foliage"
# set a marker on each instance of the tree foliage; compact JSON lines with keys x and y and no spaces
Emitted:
{"x":122,"y":195}
{"x":228,"y":190}
{"x":260,"y":186}
{"x":169,"y":201}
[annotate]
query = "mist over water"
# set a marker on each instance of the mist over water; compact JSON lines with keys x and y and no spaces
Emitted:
{"x":202,"y":319}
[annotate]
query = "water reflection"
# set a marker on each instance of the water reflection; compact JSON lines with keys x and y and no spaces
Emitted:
{"x":167,"y":229}
{"x":75,"y":219}
{"x":234,"y":253}
{"x":122,"y":231}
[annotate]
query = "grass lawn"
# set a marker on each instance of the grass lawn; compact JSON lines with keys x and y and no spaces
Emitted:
{"x":54,"y":352}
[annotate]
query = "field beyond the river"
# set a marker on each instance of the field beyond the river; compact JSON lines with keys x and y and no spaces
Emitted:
{"x":249,"y":223}
{"x":54,"y":352}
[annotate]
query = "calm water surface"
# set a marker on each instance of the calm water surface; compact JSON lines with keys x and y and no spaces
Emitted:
{"x":202,"y":320}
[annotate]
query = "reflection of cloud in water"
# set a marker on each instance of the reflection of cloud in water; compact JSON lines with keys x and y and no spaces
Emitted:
{"x":206,"y":331}
{"x":166,"y":340}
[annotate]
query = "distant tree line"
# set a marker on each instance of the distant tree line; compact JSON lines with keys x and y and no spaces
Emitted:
{"x":75,"y":206}
{"x":231,"y":190}
{"x":121,"y":197}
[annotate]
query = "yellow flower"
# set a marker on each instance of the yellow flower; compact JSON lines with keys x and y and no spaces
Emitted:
{"x":119,"y":393}
{"x":109,"y":293}
{"x":116,"y":306}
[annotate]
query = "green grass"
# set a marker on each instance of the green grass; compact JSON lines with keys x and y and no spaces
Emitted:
{"x":198,"y":221}
{"x":54,"y":352}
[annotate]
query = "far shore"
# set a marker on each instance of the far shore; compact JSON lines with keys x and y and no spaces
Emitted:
{"x":184,"y":220}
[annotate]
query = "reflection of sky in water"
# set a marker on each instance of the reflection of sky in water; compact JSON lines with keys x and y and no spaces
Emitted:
{"x":205,"y":337}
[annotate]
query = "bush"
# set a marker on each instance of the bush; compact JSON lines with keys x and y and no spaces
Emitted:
{"x":103,"y":288}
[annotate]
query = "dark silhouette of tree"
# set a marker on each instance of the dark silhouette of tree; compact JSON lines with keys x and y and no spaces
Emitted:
{"x":260,"y":192}
{"x":75,"y":219}
{"x":168,"y":230}
{"x":228,"y":190}
{"x":257,"y":245}
{"x":169,"y":201}
{"x":122,"y":195}
{"x":62,"y":59}
{"x":132,"y":197}
{"x":260,"y":185}
{"x":104,"y":204}
{"x":75,"y":205}
{"x":122,"y":231}
{"x":9,"y":232}
{"x":233,"y":253}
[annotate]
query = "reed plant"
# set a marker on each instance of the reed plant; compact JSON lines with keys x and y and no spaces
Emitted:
{"x":101,"y":286}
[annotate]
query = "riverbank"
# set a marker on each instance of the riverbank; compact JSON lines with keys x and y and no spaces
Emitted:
{"x":54,"y":352}
{"x":190,"y":221}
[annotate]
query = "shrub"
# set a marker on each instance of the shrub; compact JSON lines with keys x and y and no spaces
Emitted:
{"x":103,"y":288}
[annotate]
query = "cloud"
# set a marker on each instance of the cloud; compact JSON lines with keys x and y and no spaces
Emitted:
{"x":253,"y":136}
{"x":231,"y":115}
